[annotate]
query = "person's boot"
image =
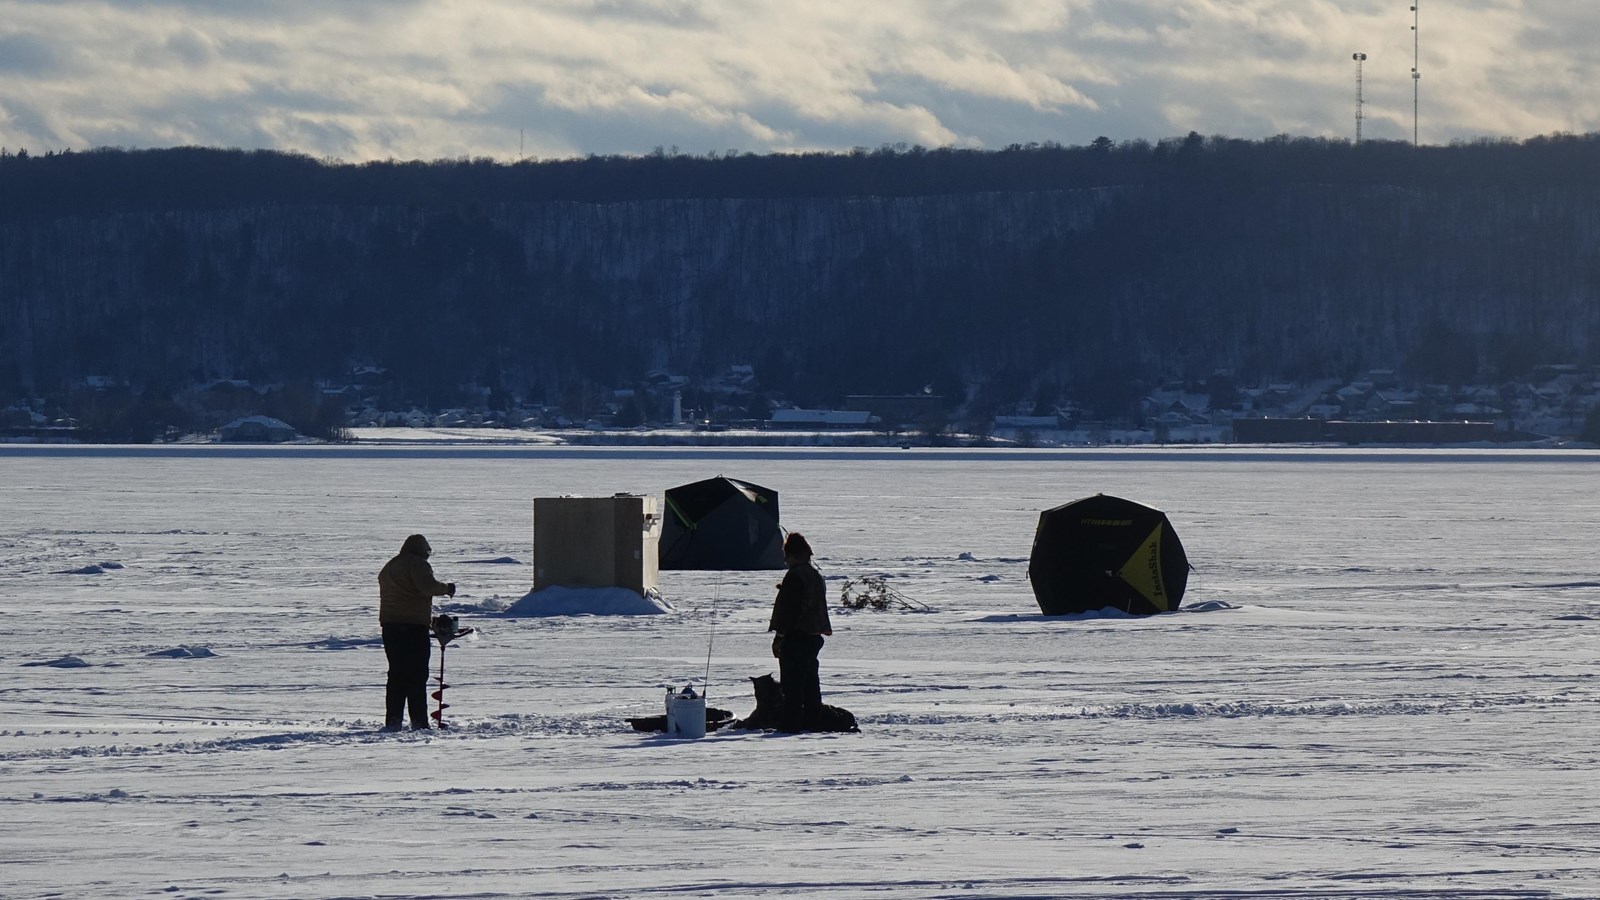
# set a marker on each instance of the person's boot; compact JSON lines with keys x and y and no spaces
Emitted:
{"x":394,"y":708}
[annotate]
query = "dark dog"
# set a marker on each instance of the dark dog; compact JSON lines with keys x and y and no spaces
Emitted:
{"x":769,"y":704}
{"x":769,"y":712}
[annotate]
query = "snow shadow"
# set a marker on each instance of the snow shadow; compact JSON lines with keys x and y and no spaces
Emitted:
{"x":99,"y":568}
{"x":184,"y":652}
{"x":65,"y":662}
{"x":565,"y":601}
{"x":1105,"y":613}
{"x":338,"y":643}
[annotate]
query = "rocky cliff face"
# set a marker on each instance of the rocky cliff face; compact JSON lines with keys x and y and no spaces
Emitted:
{"x":854,"y":294}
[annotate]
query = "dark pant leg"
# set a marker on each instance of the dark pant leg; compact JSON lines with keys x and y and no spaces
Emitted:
{"x":802,"y":684}
{"x":408,"y":648}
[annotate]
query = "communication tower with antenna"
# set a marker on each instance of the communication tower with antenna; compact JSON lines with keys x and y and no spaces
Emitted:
{"x":1416,"y":73}
{"x":1359,"y":58}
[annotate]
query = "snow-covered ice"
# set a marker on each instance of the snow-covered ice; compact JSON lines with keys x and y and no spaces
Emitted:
{"x":1383,"y":683}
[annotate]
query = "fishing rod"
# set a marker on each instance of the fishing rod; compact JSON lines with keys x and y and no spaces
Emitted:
{"x":711,"y":636}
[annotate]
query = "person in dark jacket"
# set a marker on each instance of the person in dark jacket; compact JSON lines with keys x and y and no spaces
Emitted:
{"x":800,"y":618}
{"x":406,"y":588}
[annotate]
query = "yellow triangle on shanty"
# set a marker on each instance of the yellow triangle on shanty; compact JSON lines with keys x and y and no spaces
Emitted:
{"x":1143,"y":570}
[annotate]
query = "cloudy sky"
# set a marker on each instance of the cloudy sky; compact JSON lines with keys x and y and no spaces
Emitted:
{"x":429,"y":79}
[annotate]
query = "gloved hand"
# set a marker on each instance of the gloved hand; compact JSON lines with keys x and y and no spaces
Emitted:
{"x":777,"y":645}
{"x":450,"y":589}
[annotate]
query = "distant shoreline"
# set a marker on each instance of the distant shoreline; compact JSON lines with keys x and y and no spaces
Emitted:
{"x":444,"y":446}
{"x":1033,"y":444}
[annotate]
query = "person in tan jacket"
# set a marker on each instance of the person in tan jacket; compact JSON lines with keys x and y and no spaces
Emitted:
{"x":406,"y":588}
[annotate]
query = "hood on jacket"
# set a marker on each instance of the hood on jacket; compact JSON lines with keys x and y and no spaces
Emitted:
{"x":416,"y":544}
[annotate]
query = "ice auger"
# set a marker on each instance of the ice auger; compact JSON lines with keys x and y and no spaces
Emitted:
{"x":445,"y":629}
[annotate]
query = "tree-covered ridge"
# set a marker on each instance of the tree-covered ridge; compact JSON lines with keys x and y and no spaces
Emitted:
{"x":1080,"y":274}
{"x":114,"y":179}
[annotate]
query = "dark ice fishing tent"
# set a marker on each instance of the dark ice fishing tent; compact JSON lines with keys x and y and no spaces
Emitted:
{"x":1106,"y":551}
{"x":721,"y":523}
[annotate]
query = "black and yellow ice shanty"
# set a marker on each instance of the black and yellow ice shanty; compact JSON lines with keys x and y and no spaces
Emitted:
{"x":721,"y":523}
{"x":1104,"y":551}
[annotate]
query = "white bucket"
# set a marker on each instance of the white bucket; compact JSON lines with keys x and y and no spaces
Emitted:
{"x":686,"y":715}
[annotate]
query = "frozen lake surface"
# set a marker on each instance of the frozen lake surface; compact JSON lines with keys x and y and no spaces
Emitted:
{"x":1383,"y":683}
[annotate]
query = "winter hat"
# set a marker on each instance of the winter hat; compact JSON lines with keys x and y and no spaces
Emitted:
{"x":795,"y":545}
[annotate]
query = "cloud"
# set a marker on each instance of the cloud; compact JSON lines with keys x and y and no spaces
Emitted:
{"x":188,"y":47}
{"x":28,"y":53}
{"x":365,"y":79}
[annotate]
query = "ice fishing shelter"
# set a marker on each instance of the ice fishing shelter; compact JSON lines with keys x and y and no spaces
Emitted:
{"x":1106,"y":551}
{"x":596,"y":542}
{"x":721,"y":523}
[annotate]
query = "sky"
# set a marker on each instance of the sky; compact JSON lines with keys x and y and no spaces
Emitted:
{"x":358,"y":80}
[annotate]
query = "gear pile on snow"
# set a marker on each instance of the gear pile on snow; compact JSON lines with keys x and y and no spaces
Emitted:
{"x":768,"y":714}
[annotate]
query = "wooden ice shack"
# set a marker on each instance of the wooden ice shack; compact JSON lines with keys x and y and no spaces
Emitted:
{"x":593,"y":542}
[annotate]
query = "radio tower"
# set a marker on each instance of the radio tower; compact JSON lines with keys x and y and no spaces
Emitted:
{"x":1359,"y":58}
{"x":1416,"y":74}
